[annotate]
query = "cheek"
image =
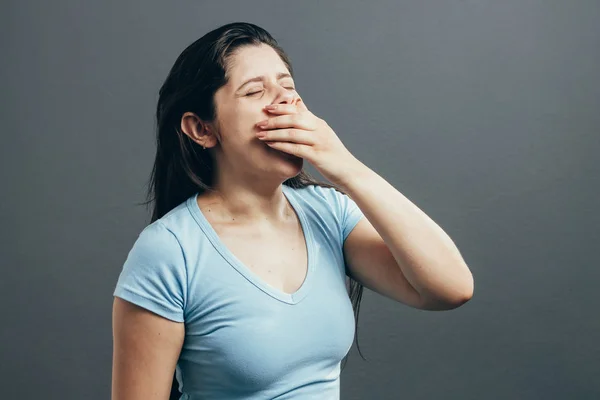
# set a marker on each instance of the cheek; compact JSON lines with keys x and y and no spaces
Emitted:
{"x":238,"y":125}
{"x":245,"y":117}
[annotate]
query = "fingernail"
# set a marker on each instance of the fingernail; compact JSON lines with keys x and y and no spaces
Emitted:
{"x":271,"y":107}
{"x":263,"y":124}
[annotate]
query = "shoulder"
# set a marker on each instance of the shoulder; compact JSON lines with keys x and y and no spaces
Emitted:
{"x":332,"y":207}
{"x":181,"y":223}
{"x":156,"y":241}
{"x":179,"y":218}
{"x":325,"y":201}
{"x":168,"y":236}
{"x":317,"y":194}
{"x":325,"y":198}
{"x":154,"y":274}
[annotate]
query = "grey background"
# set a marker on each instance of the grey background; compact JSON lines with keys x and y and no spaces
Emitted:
{"x":486,"y":114}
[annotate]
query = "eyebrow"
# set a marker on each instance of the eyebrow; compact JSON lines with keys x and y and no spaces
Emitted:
{"x":280,"y":75}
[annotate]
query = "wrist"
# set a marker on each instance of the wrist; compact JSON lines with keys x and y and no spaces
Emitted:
{"x":355,"y":172}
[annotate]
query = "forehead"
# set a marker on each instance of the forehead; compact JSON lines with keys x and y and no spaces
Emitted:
{"x":251,"y":61}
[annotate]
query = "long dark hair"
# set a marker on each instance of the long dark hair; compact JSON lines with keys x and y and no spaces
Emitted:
{"x":181,"y":167}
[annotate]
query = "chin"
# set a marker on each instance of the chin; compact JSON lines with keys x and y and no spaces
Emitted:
{"x":292,"y":166}
{"x":287,"y":166}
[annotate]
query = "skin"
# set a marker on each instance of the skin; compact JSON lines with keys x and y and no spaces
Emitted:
{"x":145,"y":352}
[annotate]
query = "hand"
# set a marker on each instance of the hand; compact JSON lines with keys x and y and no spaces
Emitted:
{"x":295,"y":130}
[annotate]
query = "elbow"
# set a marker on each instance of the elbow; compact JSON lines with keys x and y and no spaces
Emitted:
{"x":466,"y":293}
{"x":459,"y":297}
{"x":443,"y":305}
{"x":460,"y":300}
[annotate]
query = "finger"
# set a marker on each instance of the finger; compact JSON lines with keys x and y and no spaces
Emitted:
{"x":295,"y":149}
{"x":287,"y":135}
{"x":300,"y":104}
{"x":281,"y":108}
{"x":285,"y":121}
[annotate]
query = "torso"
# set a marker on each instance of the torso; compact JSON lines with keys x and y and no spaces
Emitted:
{"x":276,"y":254}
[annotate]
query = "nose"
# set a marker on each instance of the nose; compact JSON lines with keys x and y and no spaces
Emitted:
{"x":286,"y":96}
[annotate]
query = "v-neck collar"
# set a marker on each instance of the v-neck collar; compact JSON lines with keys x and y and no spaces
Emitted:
{"x":290,"y":298}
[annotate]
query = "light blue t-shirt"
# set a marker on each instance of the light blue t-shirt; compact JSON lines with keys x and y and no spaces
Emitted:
{"x":245,"y":339}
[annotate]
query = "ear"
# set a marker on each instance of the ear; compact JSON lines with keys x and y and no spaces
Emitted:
{"x":197,"y":130}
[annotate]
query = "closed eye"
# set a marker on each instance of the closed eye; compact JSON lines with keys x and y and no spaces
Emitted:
{"x":260,"y":91}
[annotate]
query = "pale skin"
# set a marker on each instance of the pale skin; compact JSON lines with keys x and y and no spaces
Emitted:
{"x":396,"y":251}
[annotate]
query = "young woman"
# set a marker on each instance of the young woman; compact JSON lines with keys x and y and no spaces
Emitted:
{"x":237,"y":289}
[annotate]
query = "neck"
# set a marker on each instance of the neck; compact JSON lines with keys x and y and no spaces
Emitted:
{"x":245,"y":199}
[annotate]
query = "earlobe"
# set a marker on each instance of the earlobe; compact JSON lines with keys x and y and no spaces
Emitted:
{"x":205,"y":134}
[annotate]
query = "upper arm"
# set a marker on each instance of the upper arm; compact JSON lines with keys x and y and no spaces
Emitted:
{"x":368,"y":259}
{"x":148,"y":316}
{"x":146,"y":347}
{"x":370,"y":262}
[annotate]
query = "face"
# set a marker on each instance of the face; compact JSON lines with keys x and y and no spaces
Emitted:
{"x":256,"y":77}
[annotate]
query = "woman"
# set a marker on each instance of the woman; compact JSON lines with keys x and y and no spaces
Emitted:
{"x":238,"y":286}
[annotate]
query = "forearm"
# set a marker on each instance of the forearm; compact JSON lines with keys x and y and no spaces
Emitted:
{"x":426,"y":255}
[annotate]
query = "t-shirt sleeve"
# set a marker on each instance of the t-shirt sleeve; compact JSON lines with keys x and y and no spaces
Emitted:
{"x":346,"y":210}
{"x":349,"y":212}
{"x":154,"y":274}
